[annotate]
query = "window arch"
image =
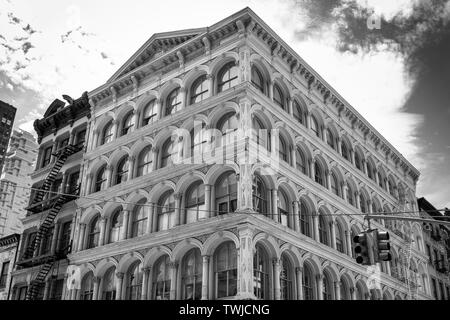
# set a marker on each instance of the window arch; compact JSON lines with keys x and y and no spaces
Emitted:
{"x":166,"y":211}
{"x":260,"y":273}
{"x":344,"y":290}
{"x":145,"y":161}
{"x":259,"y":195}
{"x":286,"y":276}
{"x":283,"y":150}
{"x":308,"y":283}
{"x":305,"y":220}
{"x":116,"y":225}
{"x":191,"y":275}
{"x":359,"y":161}
{"x":300,"y":160}
{"x":260,"y":133}
{"x":319,"y":174}
{"x":350,"y":195}
{"x":370,"y":170}
{"x":283,"y":208}
{"x":107,"y":133}
{"x":227,"y":76}
{"x":109,"y":284}
{"x":278,"y":96}
{"x":315,"y":126}
{"x":100,"y":179}
{"x":391,"y":188}
{"x":340,"y":236}
{"x":127,"y":124}
{"x":327,"y":287}
{"x":168,"y":153}
{"x":195,"y":202}
{"x":324,"y":230}
{"x":228,"y":126}
{"x":199,"y":89}
{"x":122,"y":170}
{"x":150,"y":113}
{"x":257,"y":79}
{"x":161,"y":279}
{"x":299,"y":115}
{"x":363,"y":203}
{"x":334,"y":184}
{"x":199,"y":141}
{"x":345,"y":151}
{"x":225,"y":270}
{"x":173,"y":102}
{"x":139,"y":219}
{"x":226,"y":193}
{"x":94,"y":232}
{"x":87,"y":287}
{"x":134,"y":282}
{"x":330,"y":139}
{"x":381,"y":181}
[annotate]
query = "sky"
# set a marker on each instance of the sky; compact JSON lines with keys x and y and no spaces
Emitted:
{"x":50,"y":48}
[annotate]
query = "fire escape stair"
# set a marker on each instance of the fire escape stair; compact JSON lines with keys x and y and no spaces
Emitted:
{"x":39,"y":281}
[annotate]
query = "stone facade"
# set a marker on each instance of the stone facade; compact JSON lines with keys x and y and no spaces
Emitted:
{"x":8,"y":254}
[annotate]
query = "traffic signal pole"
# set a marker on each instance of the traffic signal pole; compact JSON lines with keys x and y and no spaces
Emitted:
{"x":387,"y":217}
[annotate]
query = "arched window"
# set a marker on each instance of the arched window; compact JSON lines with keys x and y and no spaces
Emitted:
{"x":308,"y":288}
{"x":199,"y":141}
{"x":94,"y":233}
{"x":362,"y":203}
{"x":285,"y":278}
{"x":298,"y":112}
{"x":173,"y":102}
{"x":139,"y":219}
{"x":358,"y":161}
{"x":228,"y":126}
{"x":391,"y":188}
{"x":283,"y":150}
{"x":191,"y":275}
{"x":116,"y":225}
{"x":260,"y":273}
{"x":344,"y":291}
{"x":195,"y":202}
{"x":323,"y":230}
{"x":145,"y":161}
{"x":283,"y":208}
{"x":305,"y":220}
{"x":350,"y":195}
{"x":166,"y":211}
{"x":339,"y":238}
{"x":345,"y":151}
{"x":122,"y":170}
{"x":260,"y":133}
{"x":259,"y":195}
{"x":225,"y":270}
{"x":109,"y":285}
{"x":100,"y":179}
{"x":227,"y":77}
{"x":150,"y":113}
{"x":315,"y":126}
{"x":226,"y":193}
{"x":107,"y":133}
{"x":319,"y":174}
{"x":257,"y":79}
{"x":161,"y":279}
{"x":134,"y":282}
{"x":168,"y":153}
{"x":199,"y":89}
{"x":370,"y":171}
{"x":381,"y":181}
{"x":127,"y":124}
{"x":327,"y":287}
{"x":278,"y":96}
{"x":334,"y":184}
{"x":300,"y":160}
{"x":87,"y":287}
{"x":330,"y":139}
{"x":359,"y":293}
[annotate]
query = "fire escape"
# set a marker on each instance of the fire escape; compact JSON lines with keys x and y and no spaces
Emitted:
{"x":49,"y":209}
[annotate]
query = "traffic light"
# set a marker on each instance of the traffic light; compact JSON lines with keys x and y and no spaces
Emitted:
{"x":382,"y":246}
{"x":362,"y":248}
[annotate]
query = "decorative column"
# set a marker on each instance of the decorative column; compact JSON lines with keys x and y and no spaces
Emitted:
{"x":339,"y":145}
{"x":333,"y":234}
{"x":348,"y":240}
{"x":55,"y":237}
{"x":364,"y":165}
{"x":205,"y":276}
{"x":101,"y":239}
{"x":369,"y":206}
{"x":276,"y":278}
{"x":296,"y":216}
{"x":387,"y":267}
{"x":353,"y":293}
{"x":337,"y":290}
{"x":131,"y":167}
{"x":293,"y":156}
{"x":290,"y":106}
{"x":357,"y":202}
{"x":210,"y":79}
{"x":96,"y":281}
{"x":81,"y":235}
{"x":245,"y":263}
{"x":319,"y":280}
{"x":149,"y":218}
{"x":88,"y":185}
{"x":115,"y":128}
{"x":125,"y":222}
{"x":308,"y":119}
{"x":94,"y":143}
{"x":352,"y":155}
{"x":109,"y":175}
{"x":155,"y":152}
{"x":375,"y":172}
{"x":207,"y":214}
{"x":182,"y":98}
{"x":344,"y":188}
{"x":315,"y":219}
{"x":212,"y":212}
{"x":312,"y":169}
{"x":299,"y":278}
{"x":119,"y":285}
{"x":177,"y":197}
{"x":275,"y":205}
{"x":145,"y":281}
{"x":271,"y":84}
{"x":328,"y":175}
{"x":135,"y":120}
{"x":173,"y":279}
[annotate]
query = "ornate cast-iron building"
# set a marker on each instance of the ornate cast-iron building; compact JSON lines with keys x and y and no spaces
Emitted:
{"x":219,"y":165}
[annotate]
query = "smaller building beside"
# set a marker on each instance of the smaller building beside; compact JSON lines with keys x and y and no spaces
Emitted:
{"x":8,"y":255}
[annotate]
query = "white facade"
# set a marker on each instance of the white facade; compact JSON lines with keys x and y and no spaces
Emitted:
{"x":15,"y":181}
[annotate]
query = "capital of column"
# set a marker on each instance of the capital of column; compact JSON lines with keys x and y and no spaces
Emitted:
{"x":132,"y":158}
{"x":299,"y":269}
{"x":147,"y":269}
{"x":276,"y":261}
{"x":120,"y":275}
{"x":319,"y":277}
{"x":173,"y":264}
{"x":352,"y":289}
{"x":177,"y":196}
{"x":96,"y":279}
{"x":109,"y":167}
{"x":205,"y":258}
{"x":154,"y":149}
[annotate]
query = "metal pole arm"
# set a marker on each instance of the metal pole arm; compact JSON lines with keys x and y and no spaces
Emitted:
{"x":387,"y":217}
